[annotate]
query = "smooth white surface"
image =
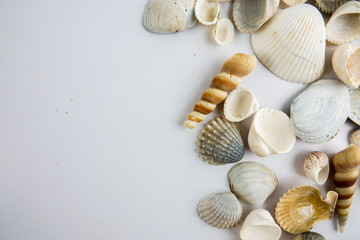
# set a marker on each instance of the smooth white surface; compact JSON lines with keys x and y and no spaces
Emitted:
{"x":91,"y":123}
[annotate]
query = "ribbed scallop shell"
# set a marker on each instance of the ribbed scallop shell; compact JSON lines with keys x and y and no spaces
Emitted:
{"x":207,"y":12}
{"x":355,"y":138}
{"x":222,"y":210}
{"x":354,"y":114}
{"x":252,"y":181}
{"x":220,"y":142}
{"x":318,"y":113}
{"x":309,"y":236}
{"x":223,"y":32}
{"x":292,"y":44}
{"x":316,"y":167}
{"x":293,"y":2}
{"x":329,"y":6}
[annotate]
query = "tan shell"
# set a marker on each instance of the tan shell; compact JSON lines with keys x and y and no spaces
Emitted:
{"x":293,"y":2}
{"x":329,"y":6}
{"x":316,"y":167}
{"x":355,"y":138}
{"x":223,"y":32}
{"x":309,"y":236}
{"x":207,"y":12}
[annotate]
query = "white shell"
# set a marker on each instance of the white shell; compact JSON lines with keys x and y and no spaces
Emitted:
{"x":355,"y":138}
{"x":207,"y":12}
{"x":318,"y":113}
{"x":346,"y":64}
{"x":293,"y":2}
{"x":329,"y":6}
{"x":252,"y":181}
{"x":240,"y":104}
{"x":316,"y":167}
{"x":354,"y":114}
{"x":344,"y":25}
{"x":168,"y":16}
{"x":222,"y":210}
{"x":259,"y":224}
{"x":271,"y":133}
{"x":287,"y":47}
{"x":249,"y":16}
{"x":223,"y":32}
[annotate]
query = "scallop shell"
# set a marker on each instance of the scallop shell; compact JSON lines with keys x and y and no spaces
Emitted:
{"x":240,"y":104}
{"x":329,"y":6}
{"x":345,"y":62}
{"x":207,"y":12}
{"x":222,"y":210}
{"x":252,"y":181}
{"x":309,"y":236}
{"x":316,"y":167}
{"x":259,"y":224}
{"x":354,"y":114}
{"x":292,"y":44}
{"x":271,"y":132}
{"x":293,"y":2}
{"x":220,"y":142}
{"x":344,"y":25}
{"x":318,"y":113}
{"x":223,"y":32}
{"x":301,"y":207}
{"x":355,"y":138}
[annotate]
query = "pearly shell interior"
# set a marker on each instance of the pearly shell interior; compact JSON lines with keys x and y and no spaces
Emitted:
{"x":223,"y":32}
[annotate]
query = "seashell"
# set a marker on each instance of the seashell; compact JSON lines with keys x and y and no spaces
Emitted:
{"x":236,"y":67}
{"x":207,"y":12}
{"x":346,"y":165}
{"x":355,"y":138}
{"x":293,"y":2}
{"x":309,"y":236}
{"x":344,"y":25}
{"x":271,"y":132}
{"x":302,"y":207}
{"x":169,"y":16}
{"x":329,"y":6}
{"x":316,"y":167}
{"x":223,"y":32}
{"x":222,"y":210}
{"x":354,"y":114}
{"x":220,"y":142}
{"x":249,"y":16}
{"x":318,"y":113}
{"x":252,"y":181}
{"x":259,"y":224}
{"x":296,"y":53}
{"x":345,"y":62}
{"x":240,"y":104}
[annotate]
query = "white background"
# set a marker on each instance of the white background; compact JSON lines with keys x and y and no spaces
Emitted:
{"x":92,"y":142}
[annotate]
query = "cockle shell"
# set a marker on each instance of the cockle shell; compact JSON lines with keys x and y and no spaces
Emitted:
{"x":259,"y":224}
{"x":344,"y":25}
{"x":207,"y":12}
{"x":309,"y":236}
{"x":354,"y":114}
{"x":169,"y":16}
{"x":301,"y":207}
{"x":271,"y":132}
{"x":293,"y":2}
{"x":355,"y":138}
{"x":220,"y":142}
{"x":240,"y":104}
{"x":318,"y":113}
{"x":316,"y":167}
{"x":252,"y":181}
{"x":249,"y":16}
{"x":292,"y":44}
{"x":222,"y":210}
{"x":346,"y":165}
{"x":329,"y":6}
{"x":223,"y":32}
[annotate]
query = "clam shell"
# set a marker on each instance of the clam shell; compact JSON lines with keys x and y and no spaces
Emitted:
{"x":223,"y":32}
{"x":271,"y":132}
{"x":207,"y":12}
{"x":301,"y":207}
{"x":296,"y":53}
{"x":354,"y":114}
{"x":318,"y":113}
{"x":222,"y":210}
{"x":316,"y":167}
{"x":329,"y":6}
{"x":168,"y":16}
{"x":259,"y":224}
{"x":220,"y":142}
{"x":344,"y":25}
{"x":355,"y":138}
{"x":309,"y":236}
{"x":293,"y":2}
{"x":252,"y":181}
{"x":240,"y":104}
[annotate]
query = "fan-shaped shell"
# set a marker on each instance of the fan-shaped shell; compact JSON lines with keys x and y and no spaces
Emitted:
{"x":292,"y":44}
{"x":220,"y":142}
{"x":316,"y":167}
{"x":329,"y":6}
{"x":318,"y":113}
{"x":222,"y":210}
{"x":252,"y":181}
{"x":223,"y":32}
{"x":355,"y":138}
{"x":309,"y":236}
{"x":293,"y":2}
{"x":207,"y":12}
{"x":354,"y":114}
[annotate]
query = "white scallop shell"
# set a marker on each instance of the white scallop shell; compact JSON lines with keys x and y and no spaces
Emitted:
{"x":355,"y":138}
{"x":252,"y":181}
{"x":344,"y":25}
{"x":249,"y":16}
{"x":354,"y":114}
{"x":271,"y":132}
{"x":222,"y":210}
{"x":329,"y":6}
{"x":223,"y":32}
{"x":316,"y":167}
{"x":318,"y":113}
{"x":292,"y":44}
{"x":259,"y":224}
{"x":240,"y":104}
{"x":293,"y":2}
{"x":207,"y":12}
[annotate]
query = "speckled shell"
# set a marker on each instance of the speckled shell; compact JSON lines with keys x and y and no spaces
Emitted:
{"x":318,"y":113}
{"x":223,"y":32}
{"x":309,"y":236}
{"x":329,"y":6}
{"x":293,"y":2}
{"x":316,"y":167}
{"x":354,"y":114}
{"x":221,"y":210}
{"x":301,"y":207}
{"x":207,"y":12}
{"x":252,"y":181}
{"x":355,"y":138}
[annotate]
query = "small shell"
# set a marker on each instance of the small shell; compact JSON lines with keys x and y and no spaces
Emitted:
{"x":223,"y":32}
{"x":207,"y":12}
{"x":240,"y":104}
{"x":355,"y":138}
{"x":293,"y":2}
{"x":316,"y":167}
{"x":271,"y":132}
{"x":252,"y":181}
{"x":329,"y":6}
{"x":354,"y":114}
{"x":309,"y":236}
{"x":301,"y":207}
{"x":259,"y":224}
{"x":222,"y":210}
